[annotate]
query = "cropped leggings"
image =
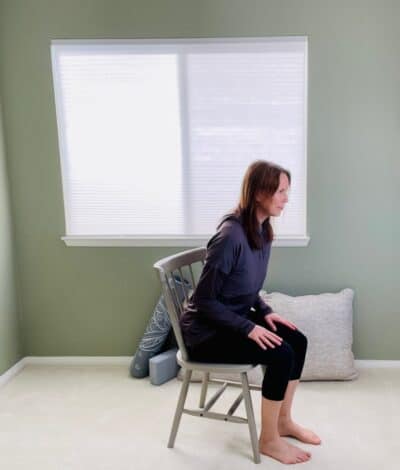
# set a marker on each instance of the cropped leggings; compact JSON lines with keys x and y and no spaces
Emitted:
{"x":284,"y":362}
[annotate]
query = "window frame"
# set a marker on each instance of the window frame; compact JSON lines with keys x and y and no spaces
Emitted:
{"x":163,"y":240}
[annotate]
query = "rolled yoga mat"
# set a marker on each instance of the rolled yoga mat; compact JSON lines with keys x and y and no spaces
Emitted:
{"x":155,"y":334}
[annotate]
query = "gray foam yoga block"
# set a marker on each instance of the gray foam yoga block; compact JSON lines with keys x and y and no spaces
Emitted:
{"x":163,"y":367}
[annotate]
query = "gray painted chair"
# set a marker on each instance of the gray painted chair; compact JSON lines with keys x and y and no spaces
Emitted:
{"x":184,"y":265}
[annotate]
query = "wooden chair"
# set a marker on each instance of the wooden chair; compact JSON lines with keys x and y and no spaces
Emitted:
{"x":177,"y":276}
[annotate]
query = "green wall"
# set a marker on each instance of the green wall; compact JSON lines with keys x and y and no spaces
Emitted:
{"x":10,"y":350}
{"x":96,"y":301}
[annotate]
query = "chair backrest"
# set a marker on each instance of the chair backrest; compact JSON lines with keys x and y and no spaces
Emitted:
{"x":178,"y":280}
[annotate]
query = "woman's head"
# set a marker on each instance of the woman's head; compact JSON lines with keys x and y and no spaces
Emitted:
{"x":263,"y":194}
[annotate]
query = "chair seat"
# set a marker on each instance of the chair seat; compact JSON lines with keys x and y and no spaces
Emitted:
{"x":213,"y":367}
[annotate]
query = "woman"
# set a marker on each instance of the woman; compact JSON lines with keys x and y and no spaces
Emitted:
{"x":227,"y":321}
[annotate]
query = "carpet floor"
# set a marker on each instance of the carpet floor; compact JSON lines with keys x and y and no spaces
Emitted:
{"x":98,"y":418}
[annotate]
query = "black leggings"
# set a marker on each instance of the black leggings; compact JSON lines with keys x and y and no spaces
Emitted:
{"x":285,"y":362}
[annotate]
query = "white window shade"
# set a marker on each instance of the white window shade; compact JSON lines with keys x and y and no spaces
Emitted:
{"x":155,"y":137}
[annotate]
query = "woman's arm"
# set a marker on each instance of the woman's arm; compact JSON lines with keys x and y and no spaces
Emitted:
{"x":206,"y":301}
{"x":262,"y":309}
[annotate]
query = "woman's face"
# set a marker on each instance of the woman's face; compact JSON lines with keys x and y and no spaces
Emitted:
{"x":274,"y":205}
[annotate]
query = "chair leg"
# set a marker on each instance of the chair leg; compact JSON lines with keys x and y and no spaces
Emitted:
{"x":250,"y":417}
{"x":179,"y":408}
{"x":204,"y":386}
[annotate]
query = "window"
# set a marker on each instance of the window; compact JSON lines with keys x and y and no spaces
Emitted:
{"x":155,"y":135}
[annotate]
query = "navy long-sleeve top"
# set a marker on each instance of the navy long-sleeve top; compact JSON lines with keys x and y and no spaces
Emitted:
{"x":227,"y":294}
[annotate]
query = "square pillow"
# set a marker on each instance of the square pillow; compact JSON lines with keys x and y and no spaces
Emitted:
{"x":327,"y":321}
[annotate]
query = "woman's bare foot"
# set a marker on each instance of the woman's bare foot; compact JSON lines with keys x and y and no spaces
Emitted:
{"x":292,"y":429}
{"x":281,"y":450}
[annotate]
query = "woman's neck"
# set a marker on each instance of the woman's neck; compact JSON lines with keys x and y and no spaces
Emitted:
{"x":261,"y":217}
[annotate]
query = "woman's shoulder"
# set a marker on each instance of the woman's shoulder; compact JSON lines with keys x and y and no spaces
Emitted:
{"x":229,"y":232}
{"x":231,"y":225}
{"x":226,"y":245}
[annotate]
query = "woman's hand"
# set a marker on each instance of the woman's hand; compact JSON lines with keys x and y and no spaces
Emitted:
{"x":273,"y":318}
{"x":264,"y":337}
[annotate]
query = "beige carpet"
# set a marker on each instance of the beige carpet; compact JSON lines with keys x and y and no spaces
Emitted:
{"x":97,"y":417}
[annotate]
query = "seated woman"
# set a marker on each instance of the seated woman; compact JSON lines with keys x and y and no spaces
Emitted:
{"x":227,"y":321}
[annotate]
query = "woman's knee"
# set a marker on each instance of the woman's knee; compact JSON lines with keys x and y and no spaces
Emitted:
{"x":301,"y":341}
{"x":280,"y":368}
{"x":283,"y":357}
{"x":296,"y":338}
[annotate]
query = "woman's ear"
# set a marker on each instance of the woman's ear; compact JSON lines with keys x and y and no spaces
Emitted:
{"x":260,"y":196}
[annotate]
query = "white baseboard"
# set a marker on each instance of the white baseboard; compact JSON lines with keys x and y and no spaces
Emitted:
{"x":79,"y":360}
{"x":126,"y":360}
{"x":368,"y":363}
{"x":12,"y":372}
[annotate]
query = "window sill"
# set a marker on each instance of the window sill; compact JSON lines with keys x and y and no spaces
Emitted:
{"x":108,"y":241}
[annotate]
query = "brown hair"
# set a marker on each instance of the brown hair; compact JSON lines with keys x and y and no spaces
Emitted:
{"x":260,"y":176}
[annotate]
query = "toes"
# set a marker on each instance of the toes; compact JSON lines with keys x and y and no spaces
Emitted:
{"x":302,"y":459}
{"x":303,"y":454}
